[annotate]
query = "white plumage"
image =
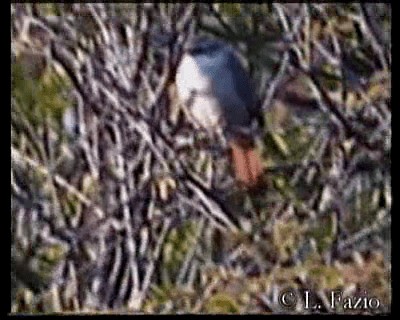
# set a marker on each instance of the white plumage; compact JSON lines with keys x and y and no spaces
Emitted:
{"x":195,"y":89}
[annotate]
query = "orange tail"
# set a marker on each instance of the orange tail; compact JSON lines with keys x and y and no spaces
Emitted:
{"x":246,"y":163}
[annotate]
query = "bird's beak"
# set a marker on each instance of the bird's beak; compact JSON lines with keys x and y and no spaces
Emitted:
{"x":188,"y":47}
{"x":161,"y":40}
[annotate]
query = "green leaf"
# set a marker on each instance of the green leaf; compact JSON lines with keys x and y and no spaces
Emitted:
{"x":222,"y":303}
{"x":281,"y":144}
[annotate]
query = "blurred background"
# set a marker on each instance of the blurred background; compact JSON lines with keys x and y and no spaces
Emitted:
{"x":119,"y":205}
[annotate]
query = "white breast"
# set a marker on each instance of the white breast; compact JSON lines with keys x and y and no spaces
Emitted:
{"x":195,"y":89}
{"x":189,"y":78}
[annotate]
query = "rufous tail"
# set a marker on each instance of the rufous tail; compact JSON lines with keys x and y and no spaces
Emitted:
{"x":247,"y":163}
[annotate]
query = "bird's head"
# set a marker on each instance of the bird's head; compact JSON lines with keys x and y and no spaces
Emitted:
{"x":204,"y":46}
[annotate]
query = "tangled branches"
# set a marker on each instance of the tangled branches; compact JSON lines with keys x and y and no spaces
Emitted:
{"x":110,"y":199}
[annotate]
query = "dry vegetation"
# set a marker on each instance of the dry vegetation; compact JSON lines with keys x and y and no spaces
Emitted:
{"x":119,"y":205}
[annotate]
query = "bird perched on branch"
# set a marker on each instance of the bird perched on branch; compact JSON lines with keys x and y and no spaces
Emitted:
{"x":214,"y":85}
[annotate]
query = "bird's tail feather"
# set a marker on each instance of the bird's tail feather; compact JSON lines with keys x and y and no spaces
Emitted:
{"x":247,"y":163}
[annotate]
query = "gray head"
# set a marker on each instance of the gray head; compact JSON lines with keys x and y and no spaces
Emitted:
{"x":202,"y":45}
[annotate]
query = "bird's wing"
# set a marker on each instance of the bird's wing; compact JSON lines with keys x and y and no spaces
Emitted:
{"x":244,"y":86}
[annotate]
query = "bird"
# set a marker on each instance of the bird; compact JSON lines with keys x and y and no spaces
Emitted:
{"x":216,"y":89}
